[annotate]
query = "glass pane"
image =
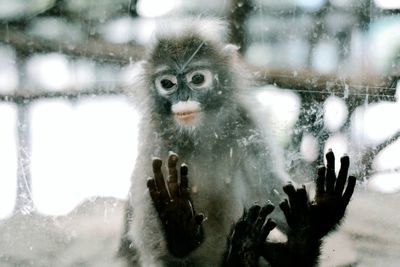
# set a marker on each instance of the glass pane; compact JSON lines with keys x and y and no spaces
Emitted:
{"x":323,"y":74}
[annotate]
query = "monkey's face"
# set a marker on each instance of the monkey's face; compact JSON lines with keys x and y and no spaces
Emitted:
{"x":190,"y":81}
{"x":185,"y":93}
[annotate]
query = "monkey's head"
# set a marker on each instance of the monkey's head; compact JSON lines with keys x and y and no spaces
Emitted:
{"x":190,"y":78}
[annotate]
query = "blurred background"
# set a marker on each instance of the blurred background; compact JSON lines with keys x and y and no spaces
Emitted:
{"x":327,"y":71}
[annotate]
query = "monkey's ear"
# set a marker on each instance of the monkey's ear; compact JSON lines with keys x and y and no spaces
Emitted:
{"x":133,"y":79}
{"x":134,"y":72}
{"x":230,"y":49}
{"x":142,"y":64}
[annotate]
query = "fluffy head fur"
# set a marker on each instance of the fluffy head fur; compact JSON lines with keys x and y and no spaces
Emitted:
{"x":178,"y":50}
{"x":208,"y":29}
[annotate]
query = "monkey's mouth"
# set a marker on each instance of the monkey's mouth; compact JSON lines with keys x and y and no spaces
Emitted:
{"x":186,"y":113}
{"x":187,"y":117}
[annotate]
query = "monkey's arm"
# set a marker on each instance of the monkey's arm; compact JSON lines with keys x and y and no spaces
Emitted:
{"x":310,"y":221}
{"x":247,"y":236}
{"x":182,"y":226}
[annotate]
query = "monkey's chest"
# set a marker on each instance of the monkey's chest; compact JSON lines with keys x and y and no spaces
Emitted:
{"x":208,"y":172}
{"x":213,"y":189}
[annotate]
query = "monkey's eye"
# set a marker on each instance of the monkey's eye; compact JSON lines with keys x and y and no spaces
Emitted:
{"x":200,"y":79}
{"x":166,"y":84}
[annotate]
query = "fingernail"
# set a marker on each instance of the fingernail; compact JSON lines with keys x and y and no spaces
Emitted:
{"x":171,"y":153}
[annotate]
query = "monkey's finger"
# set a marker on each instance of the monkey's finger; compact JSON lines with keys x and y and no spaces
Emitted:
{"x":284,"y":206}
{"x":330,"y":172}
{"x":266,"y":229}
{"x":302,"y":201}
{"x":253,"y":213}
{"x":173,"y":175}
{"x":151,"y":185}
{"x":264,"y":212}
{"x":159,"y":179}
{"x":289,"y":189}
{"x":342,"y":176}
{"x":320,"y":182}
{"x":172,"y":172}
{"x":267,"y":209}
{"x":184,"y":190}
{"x":291,"y":193}
{"x":184,"y":184}
{"x":349,"y":190}
{"x":239,"y":229}
{"x":158,"y":175}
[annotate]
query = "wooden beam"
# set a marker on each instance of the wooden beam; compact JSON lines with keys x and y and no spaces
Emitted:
{"x":92,"y":48}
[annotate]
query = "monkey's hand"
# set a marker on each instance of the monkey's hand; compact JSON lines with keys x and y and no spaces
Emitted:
{"x":326,"y":211}
{"x":247,"y":237}
{"x":182,"y":226}
{"x":310,"y":221}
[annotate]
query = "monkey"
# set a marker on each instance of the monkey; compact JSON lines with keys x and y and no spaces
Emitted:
{"x":309,"y":222}
{"x":194,"y":99}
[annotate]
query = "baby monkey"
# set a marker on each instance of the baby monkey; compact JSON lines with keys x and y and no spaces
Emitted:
{"x":309,"y":221}
{"x":196,"y":99}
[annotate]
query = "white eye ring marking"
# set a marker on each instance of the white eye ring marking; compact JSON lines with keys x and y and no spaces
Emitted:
{"x":200,"y":79}
{"x":166,"y":84}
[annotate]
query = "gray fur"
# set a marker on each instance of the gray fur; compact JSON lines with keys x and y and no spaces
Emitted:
{"x":232,"y":161}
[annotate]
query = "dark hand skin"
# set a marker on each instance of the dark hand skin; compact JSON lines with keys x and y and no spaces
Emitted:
{"x":326,"y":211}
{"x":182,"y":226}
{"x":309,"y":221}
{"x":247,"y":237}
